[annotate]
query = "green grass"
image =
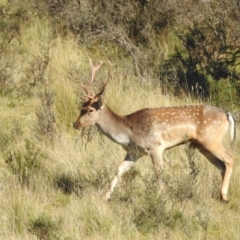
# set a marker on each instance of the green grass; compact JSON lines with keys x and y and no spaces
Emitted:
{"x":53,"y":188}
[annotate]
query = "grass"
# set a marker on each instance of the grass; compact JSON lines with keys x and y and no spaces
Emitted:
{"x":53,"y":188}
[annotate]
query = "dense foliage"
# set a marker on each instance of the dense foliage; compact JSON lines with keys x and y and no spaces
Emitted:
{"x":165,"y":53}
{"x":189,"y":47}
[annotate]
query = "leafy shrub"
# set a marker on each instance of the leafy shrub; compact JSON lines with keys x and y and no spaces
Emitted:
{"x":44,"y":227}
{"x":224,"y":92}
{"x":129,"y":28}
{"x":206,"y":58}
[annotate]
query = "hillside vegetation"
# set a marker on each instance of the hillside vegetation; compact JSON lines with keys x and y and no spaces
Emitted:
{"x":52,"y":177}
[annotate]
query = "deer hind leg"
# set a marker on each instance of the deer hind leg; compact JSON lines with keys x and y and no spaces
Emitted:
{"x":157,"y":160}
{"x":128,"y":162}
{"x":223,"y":160}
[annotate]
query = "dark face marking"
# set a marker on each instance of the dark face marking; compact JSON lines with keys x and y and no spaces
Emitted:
{"x":89,"y":105}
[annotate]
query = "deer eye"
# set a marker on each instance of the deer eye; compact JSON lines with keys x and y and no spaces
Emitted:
{"x":90,"y":110}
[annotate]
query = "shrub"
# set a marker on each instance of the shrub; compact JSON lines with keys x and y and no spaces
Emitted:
{"x":207,"y":60}
{"x":44,"y":227}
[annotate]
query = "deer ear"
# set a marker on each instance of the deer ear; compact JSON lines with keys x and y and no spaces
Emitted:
{"x":100,"y":102}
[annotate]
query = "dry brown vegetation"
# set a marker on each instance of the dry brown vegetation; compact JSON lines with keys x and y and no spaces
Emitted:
{"x":52,"y":178}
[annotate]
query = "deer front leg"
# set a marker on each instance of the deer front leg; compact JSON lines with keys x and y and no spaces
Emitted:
{"x":128,"y":162}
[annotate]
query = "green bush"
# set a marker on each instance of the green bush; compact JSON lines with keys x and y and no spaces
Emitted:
{"x":224,"y":92}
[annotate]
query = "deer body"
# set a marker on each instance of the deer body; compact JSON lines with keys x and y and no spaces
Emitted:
{"x":167,"y":127}
{"x":151,"y":131}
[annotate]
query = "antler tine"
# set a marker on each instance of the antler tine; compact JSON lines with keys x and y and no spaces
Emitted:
{"x":108,"y":77}
{"x":94,"y":70}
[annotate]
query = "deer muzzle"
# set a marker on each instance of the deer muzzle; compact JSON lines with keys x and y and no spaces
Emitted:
{"x":77,"y":125}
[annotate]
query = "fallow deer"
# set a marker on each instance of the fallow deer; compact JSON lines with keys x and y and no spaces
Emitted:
{"x":150,"y":131}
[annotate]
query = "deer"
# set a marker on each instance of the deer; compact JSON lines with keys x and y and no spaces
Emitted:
{"x":151,"y":131}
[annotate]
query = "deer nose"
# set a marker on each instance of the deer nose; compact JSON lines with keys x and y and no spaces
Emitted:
{"x":76,"y":125}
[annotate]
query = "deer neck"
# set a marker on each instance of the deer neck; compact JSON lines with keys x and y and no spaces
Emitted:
{"x":113,"y":126}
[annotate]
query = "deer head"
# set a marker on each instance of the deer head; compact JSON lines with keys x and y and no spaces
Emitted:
{"x":93,"y":103}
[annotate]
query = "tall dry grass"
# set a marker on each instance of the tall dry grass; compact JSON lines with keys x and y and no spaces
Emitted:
{"x":53,"y":188}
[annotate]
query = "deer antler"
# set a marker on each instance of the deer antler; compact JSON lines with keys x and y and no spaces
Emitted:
{"x":106,"y":81}
{"x":94,"y":70}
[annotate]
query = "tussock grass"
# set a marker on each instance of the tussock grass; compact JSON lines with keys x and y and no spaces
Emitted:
{"x":53,"y":188}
